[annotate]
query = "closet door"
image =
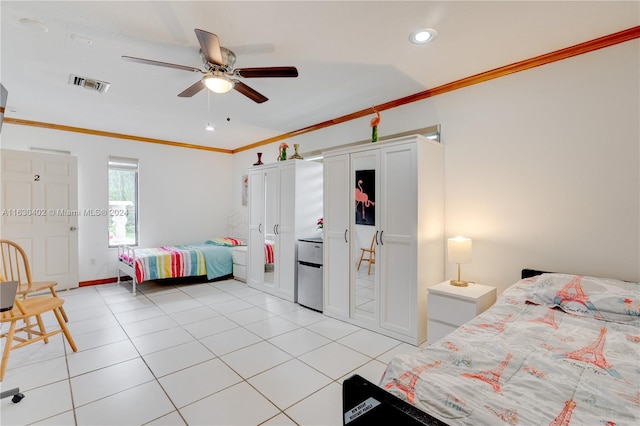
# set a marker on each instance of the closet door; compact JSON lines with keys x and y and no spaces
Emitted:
{"x":285,"y":232}
{"x":398,"y":240}
{"x":271,"y":202}
{"x":365,"y":223}
{"x":255,"y":258}
{"x":338,"y":208}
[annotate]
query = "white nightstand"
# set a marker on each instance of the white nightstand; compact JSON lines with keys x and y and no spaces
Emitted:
{"x":239,"y":255}
{"x":448,"y":307}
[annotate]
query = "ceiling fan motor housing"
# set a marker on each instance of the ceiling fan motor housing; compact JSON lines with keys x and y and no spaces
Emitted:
{"x":228,"y":59}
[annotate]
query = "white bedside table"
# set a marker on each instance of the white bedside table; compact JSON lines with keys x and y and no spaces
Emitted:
{"x":239,"y":255}
{"x":448,"y":307}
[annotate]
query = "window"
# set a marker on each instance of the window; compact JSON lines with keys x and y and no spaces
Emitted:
{"x":123,"y":201}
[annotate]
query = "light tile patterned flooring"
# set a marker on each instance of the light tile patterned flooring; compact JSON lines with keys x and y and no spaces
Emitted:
{"x":217,"y":353}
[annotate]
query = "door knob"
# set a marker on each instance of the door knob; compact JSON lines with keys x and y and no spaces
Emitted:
{"x":73,"y":228}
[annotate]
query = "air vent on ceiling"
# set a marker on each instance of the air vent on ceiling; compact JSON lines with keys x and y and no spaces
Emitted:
{"x":89,"y":83}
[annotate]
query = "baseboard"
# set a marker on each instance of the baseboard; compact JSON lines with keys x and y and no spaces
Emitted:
{"x":98,"y":282}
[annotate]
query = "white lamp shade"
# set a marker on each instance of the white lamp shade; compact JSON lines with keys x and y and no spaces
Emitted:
{"x":459,"y":250}
{"x":218,"y":83}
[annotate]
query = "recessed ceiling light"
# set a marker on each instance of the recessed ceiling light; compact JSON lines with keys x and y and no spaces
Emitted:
{"x":80,"y":39}
{"x":34,"y":25}
{"x":423,"y":36}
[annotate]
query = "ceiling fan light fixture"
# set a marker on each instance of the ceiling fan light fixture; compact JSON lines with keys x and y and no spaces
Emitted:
{"x":423,"y":36}
{"x":218,"y":83}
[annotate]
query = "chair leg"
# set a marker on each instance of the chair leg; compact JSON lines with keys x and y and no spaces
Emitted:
{"x":27,"y":323}
{"x":7,"y":349}
{"x":41,"y":327}
{"x":65,"y":330}
{"x":360,"y":262}
{"x":64,"y":314}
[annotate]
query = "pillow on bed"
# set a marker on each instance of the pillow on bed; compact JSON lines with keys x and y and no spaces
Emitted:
{"x":601,"y":298}
{"x":227,"y":242}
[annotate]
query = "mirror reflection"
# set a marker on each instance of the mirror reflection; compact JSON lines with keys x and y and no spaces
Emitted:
{"x":364,"y":237}
{"x":270,"y":221}
{"x":365,"y":255}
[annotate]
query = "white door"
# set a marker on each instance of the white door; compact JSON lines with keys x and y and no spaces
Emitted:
{"x":398,"y":197}
{"x":366,"y":208}
{"x":338,"y":208}
{"x":271,"y":222}
{"x":285,"y":231}
{"x":255,"y":258}
{"x":39,"y":204}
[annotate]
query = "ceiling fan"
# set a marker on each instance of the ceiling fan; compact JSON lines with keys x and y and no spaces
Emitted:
{"x":219,"y":74}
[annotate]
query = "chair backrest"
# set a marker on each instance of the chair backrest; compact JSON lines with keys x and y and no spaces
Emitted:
{"x":15,"y":265}
{"x":373,"y":240}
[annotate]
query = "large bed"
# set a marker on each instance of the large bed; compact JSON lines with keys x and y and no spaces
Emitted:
{"x":555,"y":349}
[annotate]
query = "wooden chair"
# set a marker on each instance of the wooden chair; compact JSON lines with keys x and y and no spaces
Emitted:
{"x":15,"y":267}
{"x":21,"y":312}
{"x":371,"y":251}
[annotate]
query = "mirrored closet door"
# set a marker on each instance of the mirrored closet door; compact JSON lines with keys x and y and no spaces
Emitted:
{"x":364,"y":233}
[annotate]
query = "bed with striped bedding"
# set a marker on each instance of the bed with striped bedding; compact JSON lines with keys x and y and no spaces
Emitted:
{"x":167,"y":262}
{"x":190,"y":260}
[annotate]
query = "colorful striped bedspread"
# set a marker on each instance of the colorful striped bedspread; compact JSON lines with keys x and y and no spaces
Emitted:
{"x":181,"y":261}
{"x":269,"y":256}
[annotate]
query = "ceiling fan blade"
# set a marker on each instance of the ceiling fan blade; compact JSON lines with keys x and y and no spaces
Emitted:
{"x":192,"y":90}
{"x":210,"y":46}
{"x":267,"y":72}
{"x":161,"y":64}
{"x":249,"y":92}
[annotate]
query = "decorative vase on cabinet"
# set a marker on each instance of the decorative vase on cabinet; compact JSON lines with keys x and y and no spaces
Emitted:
{"x":259,"y":162}
{"x":406,"y":240}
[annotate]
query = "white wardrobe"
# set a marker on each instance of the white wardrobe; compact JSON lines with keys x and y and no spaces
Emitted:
{"x":285,"y":203}
{"x":388,"y":197}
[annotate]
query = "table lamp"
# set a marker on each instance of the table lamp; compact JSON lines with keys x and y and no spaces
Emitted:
{"x":459,"y":251}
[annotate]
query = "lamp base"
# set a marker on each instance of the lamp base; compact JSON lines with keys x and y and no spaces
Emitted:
{"x":459,"y":283}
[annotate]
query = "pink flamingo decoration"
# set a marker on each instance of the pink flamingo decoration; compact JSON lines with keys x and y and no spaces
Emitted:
{"x":363,"y":198}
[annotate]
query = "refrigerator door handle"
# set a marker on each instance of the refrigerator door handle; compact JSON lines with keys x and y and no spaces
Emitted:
{"x":311,"y":265}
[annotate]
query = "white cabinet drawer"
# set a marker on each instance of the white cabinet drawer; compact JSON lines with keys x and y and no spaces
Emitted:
{"x":239,"y":272}
{"x":437,"y":330}
{"x":239,"y":255}
{"x":451,"y":310}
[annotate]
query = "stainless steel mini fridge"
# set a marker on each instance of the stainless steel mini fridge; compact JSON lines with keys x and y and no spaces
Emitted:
{"x":309,"y":284}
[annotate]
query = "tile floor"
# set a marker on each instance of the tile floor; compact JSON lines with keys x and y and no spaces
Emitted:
{"x":217,"y":353}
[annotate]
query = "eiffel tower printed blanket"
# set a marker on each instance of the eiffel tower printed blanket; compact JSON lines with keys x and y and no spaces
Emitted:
{"x":554,"y":350}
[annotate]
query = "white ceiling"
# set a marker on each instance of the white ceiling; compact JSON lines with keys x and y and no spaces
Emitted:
{"x":350,"y":56}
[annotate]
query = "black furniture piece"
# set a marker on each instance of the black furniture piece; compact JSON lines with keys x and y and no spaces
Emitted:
{"x":364,"y":404}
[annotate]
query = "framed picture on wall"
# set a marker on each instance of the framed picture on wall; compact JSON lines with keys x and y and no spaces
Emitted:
{"x":245,"y":189}
{"x":365,"y":195}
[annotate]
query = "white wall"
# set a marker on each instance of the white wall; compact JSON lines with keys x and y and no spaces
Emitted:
{"x":542,"y":170}
{"x":184,"y":194}
{"x":542,"y":166}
